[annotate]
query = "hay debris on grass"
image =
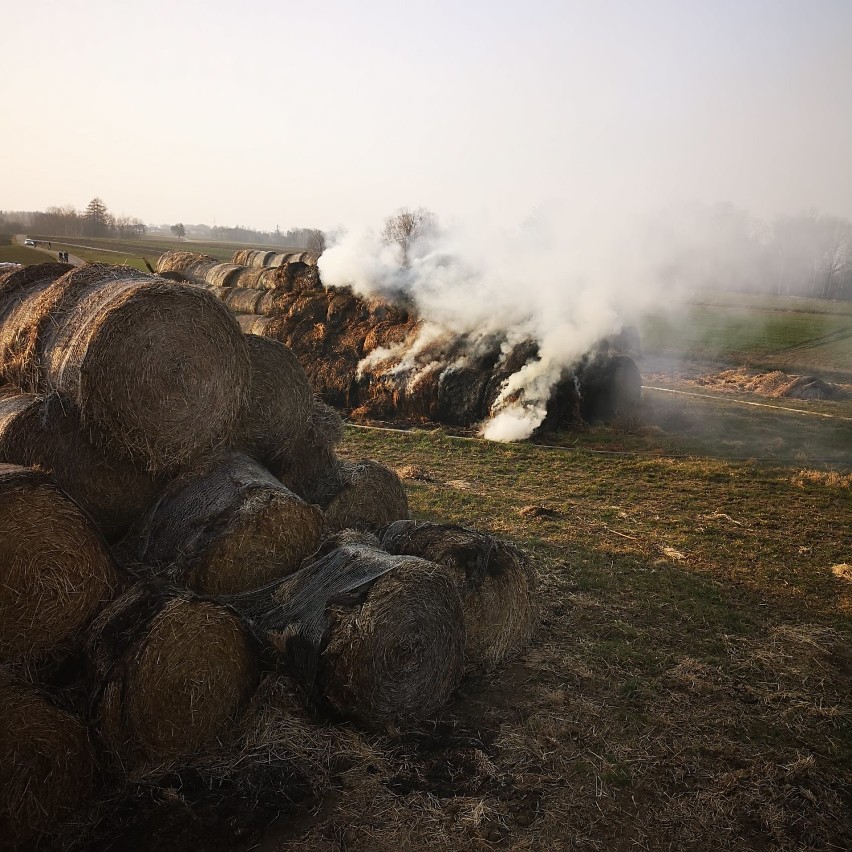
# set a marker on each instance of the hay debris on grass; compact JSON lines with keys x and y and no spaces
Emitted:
{"x":56,"y":571}
{"x":223,"y":528}
{"x":496,"y":580}
{"x":157,"y":369}
{"x":171,"y":672}
{"x":278,"y":403}
{"x":371,"y":636}
{"x":48,"y":765}
{"x":45,"y":432}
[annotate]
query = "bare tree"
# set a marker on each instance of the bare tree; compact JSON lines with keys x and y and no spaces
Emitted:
{"x":316,"y":242}
{"x":405,"y":227}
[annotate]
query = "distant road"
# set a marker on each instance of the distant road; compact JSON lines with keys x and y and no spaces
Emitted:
{"x":40,"y":246}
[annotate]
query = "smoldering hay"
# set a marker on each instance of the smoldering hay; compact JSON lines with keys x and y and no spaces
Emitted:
{"x":378,"y":357}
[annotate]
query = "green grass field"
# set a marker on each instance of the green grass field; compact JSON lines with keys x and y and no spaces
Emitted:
{"x":21,"y":254}
{"x":150,"y":248}
{"x":764,"y":338}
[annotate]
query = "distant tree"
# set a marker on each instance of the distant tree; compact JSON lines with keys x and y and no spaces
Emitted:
{"x":405,"y":227}
{"x":316,"y":242}
{"x":178,"y":230}
{"x":130,"y":228}
{"x":98,"y":219}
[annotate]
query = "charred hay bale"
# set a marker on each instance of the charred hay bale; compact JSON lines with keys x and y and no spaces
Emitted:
{"x":278,"y":405}
{"x":242,"y":301}
{"x":461,"y":395}
{"x":157,"y":369}
{"x":362,"y":495}
{"x":18,"y":289}
{"x":371,"y":636}
{"x":56,"y":571}
{"x":608,"y":386}
{"x":496,"y":581}
{"x":45,"y":432}
{"x":331,"y":374}
{"x":48,"y":765}
{"x":811,"y":387}
{"x":312,"y":455}
{"x":171,"y":672}
{"x":227,"y":526}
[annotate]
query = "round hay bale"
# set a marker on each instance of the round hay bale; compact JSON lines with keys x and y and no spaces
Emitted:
{"x":45,"y":432}
{"x":278,"y":405}
{"x":371,"y":636}
{"x":18,"y":290}
{"x":157,"y":369}
{"x":48,"y":764}
{"x":312,"y":455}
{"x":253,"y":324}
{"x":172,"y":673}
{"x":243,"y":301}
{"x":368,"y":496}
{"x":223,"y":528}
{"x":188,"y":264}
{"x":56,"y":572}
{"x":221,"y":275}
{"x":496,"y":581}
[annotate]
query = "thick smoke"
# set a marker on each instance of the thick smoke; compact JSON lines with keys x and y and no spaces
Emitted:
{"x":566,"y":280}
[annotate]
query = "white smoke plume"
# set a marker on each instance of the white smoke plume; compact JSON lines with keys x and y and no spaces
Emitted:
{"x":566,"y":279}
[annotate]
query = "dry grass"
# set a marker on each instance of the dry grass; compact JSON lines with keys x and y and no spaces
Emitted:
{"x":826,"y":478}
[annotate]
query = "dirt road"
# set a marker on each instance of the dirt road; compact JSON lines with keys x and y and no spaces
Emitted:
{"x":42,"y":247}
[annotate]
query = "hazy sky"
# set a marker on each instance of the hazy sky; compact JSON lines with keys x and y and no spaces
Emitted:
{"x":319,"y":114}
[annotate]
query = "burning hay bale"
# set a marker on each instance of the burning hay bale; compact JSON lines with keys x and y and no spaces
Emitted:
{"x":278,"y":407}
{"x":157,"y":369}
{"x":225,"y":527}
{"x":608,"y":386}
{"x":56,"y":572}
{"x":496,"y":581}
{"x":172,"y":673}
{"x":48,"y":764}
{"x":45,"y":432}
{"x":366,"y":495}
{"x":371,"y":636}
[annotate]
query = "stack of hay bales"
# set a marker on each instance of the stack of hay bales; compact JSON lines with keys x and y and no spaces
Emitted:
{"x":377,"y":361}
{"x":175,"y":520}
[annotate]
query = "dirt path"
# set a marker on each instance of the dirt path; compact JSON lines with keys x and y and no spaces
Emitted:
{"x":72,"y":258}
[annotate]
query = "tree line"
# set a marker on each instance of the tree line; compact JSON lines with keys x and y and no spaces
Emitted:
{"x":97,"y":221}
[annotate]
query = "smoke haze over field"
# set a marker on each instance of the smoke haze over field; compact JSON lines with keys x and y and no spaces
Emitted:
{"x":544,"y":134}
{"x":315,"y":115}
